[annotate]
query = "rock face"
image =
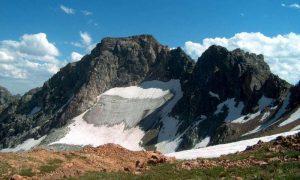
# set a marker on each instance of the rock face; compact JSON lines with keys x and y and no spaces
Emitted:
{"x":295,"y":96}
{"x":6,"y":98}
{"x":220,"y":75}
{"x":223,"y":87}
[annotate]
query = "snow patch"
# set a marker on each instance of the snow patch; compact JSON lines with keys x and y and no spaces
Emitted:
{"x":296,"y":128}
{"x":255,"y":130}
{"x":25,"y":146}
{"x":214,"y":95}
{"x":112,"y":110}
{"x":82,"y":133}
{"x":168,"y":146}
{"x":224,"y":149}
{"x":167,"y":140}
{"x":295,"y":116}
{"x":203,"y":143}
{"x":272,"y":121}
{"x":234,"y":109}
{"x":248,"y":117}
{"x":265,"y":116}
{"x":135,"y":92}
{"x":280,"y":112}
{"x":116,"y":118}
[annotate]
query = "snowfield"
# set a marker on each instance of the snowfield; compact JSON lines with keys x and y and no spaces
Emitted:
{"x":25,"y":146}
{"x":275,"y":119}
{"x":115,"y":116}
{"x":235,"y":109}
{"x":82,"y":133}
{"x":295,"y":116}
{"x":203,"y":143}
{"x":224,"y":149}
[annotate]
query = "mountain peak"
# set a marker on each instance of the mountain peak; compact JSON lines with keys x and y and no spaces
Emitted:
{"x":127,"y":43}
{"x":217,"y":55}
{"x":235,"y":78}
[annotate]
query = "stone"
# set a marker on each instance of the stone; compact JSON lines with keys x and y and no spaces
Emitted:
{"x":17,"y":177}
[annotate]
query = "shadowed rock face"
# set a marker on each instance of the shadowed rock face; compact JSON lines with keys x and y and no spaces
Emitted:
{"x":5,"y":98}
{"x":228,"y":74}
{"x":295,"y":96}
{"x":217,"y":76}
{"x":234,"y":74}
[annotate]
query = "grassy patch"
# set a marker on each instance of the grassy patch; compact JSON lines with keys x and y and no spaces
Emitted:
{"x":48,"y":168}
{"x":55,"y":161}
{"x":51,"y":166}
{"x":289,"y":170}
{"x":4,"y":167}
{"x":292,"y":154}
{"x":26,"y":172}
{"x":69,"y":157}
{"x":262,"y":154}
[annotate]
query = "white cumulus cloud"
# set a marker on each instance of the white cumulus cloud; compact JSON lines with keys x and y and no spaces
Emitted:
{"x":67,"y":10}
{"x":5,"y":57}
{"x":282,"y":52}
{"x":75,"y":56}
{"x":32,"y":58}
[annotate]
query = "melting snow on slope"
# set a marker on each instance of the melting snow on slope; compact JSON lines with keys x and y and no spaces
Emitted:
{"x":296,"y":128}
{"x":167,"y":140}
{"x":82,"y":133}
{"x":203,"y":143}
{"x":25,"y":146}
{"x":295,"y":116}
{"x":223,"y":149}
{"x":246,"y":118}
{"x":272,"y":121}
{"x":265,"y":116}
{"x":116,"y":130}
{"x":234,"y":109}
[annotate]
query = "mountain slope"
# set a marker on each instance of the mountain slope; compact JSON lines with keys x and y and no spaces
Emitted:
{"x":138,"y":93}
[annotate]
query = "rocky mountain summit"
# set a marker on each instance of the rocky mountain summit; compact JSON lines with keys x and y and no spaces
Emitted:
{"x":178,"y":104}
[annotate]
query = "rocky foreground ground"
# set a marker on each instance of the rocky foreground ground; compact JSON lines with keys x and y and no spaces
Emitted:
{"x":45,"y":164}
{"x":276,"y":159}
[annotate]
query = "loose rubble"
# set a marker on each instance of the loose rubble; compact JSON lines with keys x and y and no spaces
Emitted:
{"x":106,"y":158}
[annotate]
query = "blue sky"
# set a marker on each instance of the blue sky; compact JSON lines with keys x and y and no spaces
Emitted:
{"x":172,"y":22}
